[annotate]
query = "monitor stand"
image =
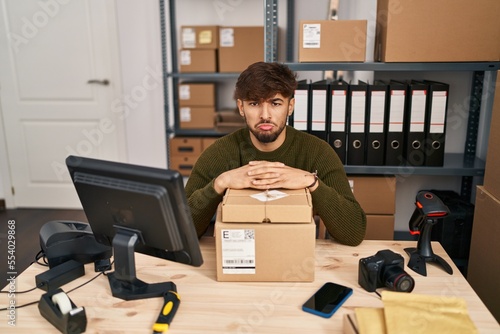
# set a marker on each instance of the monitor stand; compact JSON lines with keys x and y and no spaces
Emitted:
{"x":123,"y":281}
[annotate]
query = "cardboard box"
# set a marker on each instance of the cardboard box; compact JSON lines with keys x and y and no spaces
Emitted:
{"x":227,"y":121}
{"x":198,"y":60}
{"x":240,"y":47}
{"x":491,"y":178}
{"x":196,"y":117}
{"x":183,"y":163}
{"x":264,"y":252}
{"x":197,"y":95}
{"x":375,"y":194}
{"x":379,"y":227}
{"x":199,"y":37}
{"x":332,"y":41}
{"x":275,"y":206}
{"x":192,"y":146}
{"x":483,"y":273}
{"x":437,"y":31}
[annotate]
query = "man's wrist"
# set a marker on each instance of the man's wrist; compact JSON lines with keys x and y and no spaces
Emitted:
{"x":314,"y":184}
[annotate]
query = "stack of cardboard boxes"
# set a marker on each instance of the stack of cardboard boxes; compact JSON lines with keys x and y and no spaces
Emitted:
{"x":265,"y":236}
{"x":184,"y":151}
{"x":484,"y":260}
{"x":220,"y":49}
{"x":196,"y":105}
{"x":377,"y":197}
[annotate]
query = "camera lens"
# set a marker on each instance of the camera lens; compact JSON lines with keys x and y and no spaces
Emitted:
{"x":398,"y":280}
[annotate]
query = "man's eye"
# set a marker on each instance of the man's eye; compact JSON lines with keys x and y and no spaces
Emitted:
{"x":253,"y":104}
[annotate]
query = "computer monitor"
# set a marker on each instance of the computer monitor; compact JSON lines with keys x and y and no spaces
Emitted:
{"x":136,"y":209}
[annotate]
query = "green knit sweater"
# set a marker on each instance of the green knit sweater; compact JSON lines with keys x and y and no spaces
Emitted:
{"x":333,"y":200}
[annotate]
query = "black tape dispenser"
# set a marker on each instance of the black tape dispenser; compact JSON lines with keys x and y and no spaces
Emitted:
{"x":62,"y":313}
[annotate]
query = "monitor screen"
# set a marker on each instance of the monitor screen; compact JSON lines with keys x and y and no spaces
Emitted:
{"x":143,"y":206}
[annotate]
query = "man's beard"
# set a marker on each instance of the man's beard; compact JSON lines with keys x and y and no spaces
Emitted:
{"x":266,"y":137}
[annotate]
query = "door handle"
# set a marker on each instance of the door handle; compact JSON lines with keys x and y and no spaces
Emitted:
{"x":104,"y":82}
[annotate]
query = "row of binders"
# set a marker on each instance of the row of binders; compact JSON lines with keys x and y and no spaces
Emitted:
{"x":391,"y":123}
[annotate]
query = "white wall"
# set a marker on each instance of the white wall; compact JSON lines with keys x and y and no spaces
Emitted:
{"x":142,"y":81}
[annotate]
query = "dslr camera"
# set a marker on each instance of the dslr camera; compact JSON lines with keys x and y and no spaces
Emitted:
{"x":384,"y":269}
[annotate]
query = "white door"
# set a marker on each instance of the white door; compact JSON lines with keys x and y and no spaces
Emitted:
{"x":59,"y":85}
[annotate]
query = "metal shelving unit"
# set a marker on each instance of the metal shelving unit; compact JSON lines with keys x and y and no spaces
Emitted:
{"x":466,"y":164}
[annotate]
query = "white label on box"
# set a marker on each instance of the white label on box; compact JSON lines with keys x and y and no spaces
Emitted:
{"x":226,"y":37}
{"x":270,"y":195}
{"x":188,"y":38}
{"x":185,"y":114}
{"x":184,"y":92}
{"x":185,"y":57}
{"x":238,"y":251}
{"x":311,"y":36}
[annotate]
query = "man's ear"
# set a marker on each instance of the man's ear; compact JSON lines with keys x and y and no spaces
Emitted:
{"x":291,"y":106}
{"x":240,"y":107}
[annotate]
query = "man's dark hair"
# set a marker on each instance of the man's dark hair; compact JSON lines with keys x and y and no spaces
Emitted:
{"x":261,"y":81}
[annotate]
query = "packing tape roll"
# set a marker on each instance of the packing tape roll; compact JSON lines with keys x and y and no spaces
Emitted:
{"x":62,"y":301}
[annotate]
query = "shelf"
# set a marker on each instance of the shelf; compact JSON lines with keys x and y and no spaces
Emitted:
{"x":377,"y":66}
{"x":198,"y":133}
{"x":204,"y":76}
{"x":453,"y":166}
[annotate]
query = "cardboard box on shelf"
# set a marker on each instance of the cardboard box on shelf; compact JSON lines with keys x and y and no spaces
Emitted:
{"x":379,"y":227}
{"x":240,"y":47}
{"x":199,"y":37}
{"x":264,"y":252}
{"x":425,"y":31}
{"x":196,"y":117}
{"x":375,"y":194}
{"x":491,"y":179}
{"x":197,"y":95}
{"x":332,"y":41}
{"x":483,"y":272}
{"x":198,"y":60}
{"x":275,"y":206}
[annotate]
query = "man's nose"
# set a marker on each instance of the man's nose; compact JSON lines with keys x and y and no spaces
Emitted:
{"x":265,"y":112}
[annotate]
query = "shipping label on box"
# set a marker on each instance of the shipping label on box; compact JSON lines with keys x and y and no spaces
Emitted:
{"x":273,"y":206}
{"x":238,"y":251}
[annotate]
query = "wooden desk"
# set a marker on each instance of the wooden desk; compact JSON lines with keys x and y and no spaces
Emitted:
{"x":208,"y":306}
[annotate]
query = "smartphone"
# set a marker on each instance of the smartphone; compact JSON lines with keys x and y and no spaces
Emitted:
{"x":327,"y":299}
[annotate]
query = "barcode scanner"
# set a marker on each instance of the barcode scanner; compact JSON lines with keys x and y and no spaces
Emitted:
{"x":429,"y":209}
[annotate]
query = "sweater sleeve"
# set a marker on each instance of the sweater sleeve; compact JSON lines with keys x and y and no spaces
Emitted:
{"x":200,"y":192}
{"x":335,"y":203}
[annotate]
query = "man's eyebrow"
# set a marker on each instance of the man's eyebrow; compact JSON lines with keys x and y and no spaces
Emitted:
{"x":277,"y":99}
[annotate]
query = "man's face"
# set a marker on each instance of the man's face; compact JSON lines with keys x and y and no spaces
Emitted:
{"x":267,"y":119}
